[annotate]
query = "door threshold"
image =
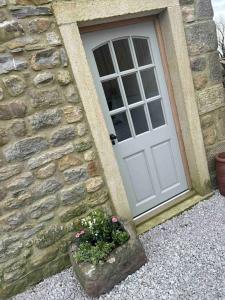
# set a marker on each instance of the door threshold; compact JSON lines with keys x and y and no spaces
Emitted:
{"x":167,"y":210}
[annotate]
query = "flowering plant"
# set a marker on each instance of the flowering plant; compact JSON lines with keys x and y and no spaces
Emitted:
{"x":97,"y":235}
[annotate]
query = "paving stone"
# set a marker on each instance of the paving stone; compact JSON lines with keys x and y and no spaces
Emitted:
{"x":25,"y":148}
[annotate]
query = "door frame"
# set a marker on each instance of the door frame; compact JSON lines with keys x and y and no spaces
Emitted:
{"x":71,"y":17}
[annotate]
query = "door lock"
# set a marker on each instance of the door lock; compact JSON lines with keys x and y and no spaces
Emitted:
{"x":113,"y":137}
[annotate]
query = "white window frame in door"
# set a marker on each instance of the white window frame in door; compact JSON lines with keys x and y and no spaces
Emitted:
{"x":80,"y":14}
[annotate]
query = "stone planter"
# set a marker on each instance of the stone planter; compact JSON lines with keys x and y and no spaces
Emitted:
{"x":124,"y":260}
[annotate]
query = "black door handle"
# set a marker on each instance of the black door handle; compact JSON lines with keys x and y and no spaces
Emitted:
{"x":113,"y":137}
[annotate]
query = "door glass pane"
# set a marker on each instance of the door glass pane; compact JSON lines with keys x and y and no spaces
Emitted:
{"x":156,"y":113}
{"x":104,"y":60}
{"x":121,"y":126}
{"x":149,"y":83}
{"x":131,"y":88}
{"x":139,"y":119}
{"x":112,"y":94}
{"x":123,"y":54}
{"x":142,"y":51}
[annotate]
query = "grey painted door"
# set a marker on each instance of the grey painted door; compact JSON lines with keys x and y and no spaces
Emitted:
{"x":126,"y":66}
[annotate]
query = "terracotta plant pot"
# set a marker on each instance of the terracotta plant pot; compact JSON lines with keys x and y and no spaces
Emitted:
{"x":220,"y":172}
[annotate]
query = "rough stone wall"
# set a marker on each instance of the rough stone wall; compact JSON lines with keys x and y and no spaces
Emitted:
{"x":207,"y":75}
{"x":49,"y":171}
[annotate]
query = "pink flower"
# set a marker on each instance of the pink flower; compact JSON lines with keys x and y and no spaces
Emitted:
{"x":82,"y":232}
{"x":77,"y":235}
{"x":114,"y":219}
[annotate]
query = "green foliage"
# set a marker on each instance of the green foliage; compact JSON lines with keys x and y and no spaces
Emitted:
{"x":97,"y":236}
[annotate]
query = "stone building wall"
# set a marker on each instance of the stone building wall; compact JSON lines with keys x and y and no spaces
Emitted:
{"x":50,"y":174}
{"x":49,"y":171}
{"x":207,"y":75}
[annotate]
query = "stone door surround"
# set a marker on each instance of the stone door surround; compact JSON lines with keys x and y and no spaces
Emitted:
{"x":74,"y":15}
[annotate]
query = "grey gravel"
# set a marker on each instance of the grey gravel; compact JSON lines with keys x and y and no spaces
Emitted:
{"x":186,"y":261}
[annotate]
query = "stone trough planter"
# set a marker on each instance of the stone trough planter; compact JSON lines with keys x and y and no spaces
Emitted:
{"x":122,"y":261}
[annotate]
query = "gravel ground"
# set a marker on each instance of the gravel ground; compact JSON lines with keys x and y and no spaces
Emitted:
{"x":186,"y":261}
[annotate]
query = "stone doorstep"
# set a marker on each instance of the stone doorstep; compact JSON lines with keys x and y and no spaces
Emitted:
{"x":123,"y":261}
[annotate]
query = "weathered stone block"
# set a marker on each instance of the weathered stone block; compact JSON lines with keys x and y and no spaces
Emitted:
{"x":20,"y":43}
{"x":72,"y":194}
{"x":3,"y":3}
{"x":31,"y":232}
{"x":18,"y":200}
{"x":29,"y":11}
{"x":73,"y":114}
{"x":94,"y":184}
{"x":93,"y":169}
{"x":203,"y":9}
{"x":64,"y":78}
{"x":81,"y":129}
{"x":39,"y":25}
{"x":45,"y":98}
{"x":49,"y":186}
{"x":9,"y":63}
{"x":49,"y":236}
{"x":89,"y":155}
{"x":15,"y":85}
{"x":19,"y":128}
{"x":70,"y":160}
{"x":46,"y":171}
{"x":71,"y":213}
{"x":45,"y":59}
{"x":3,"y":137}
{"x":12,"y":110}
{"x":10,"y":30}
{"x":63,"y":57}
{"x":188,"y":13}
{"x":53,"y":39}
{"x":43,"y":258}
{"x":75,"y":175}
{"x":201,"y":37}
{"x":62,"y":136}
{"x":20,"y":182}
{"x":186,"y":2}
{"x":43,"y":207}
{"x":9,"y":171}
{"x":98,"y":198}
{"x":23,"y":149}
{"x":210,"y":98}
{"x":121,"y":262}
{"x":1,"y":94}
{"x":50,"y":156}
{"x":198,"y":63}
{"x":215,"y":72}
{"x":71,"y":94}
{"x":16,"y":219}
{"x":200,"y":81}
{"x":45,"y":119}
{"x":3,"y":16}
{"x":43,"y":78}
{"x":83,"y":144}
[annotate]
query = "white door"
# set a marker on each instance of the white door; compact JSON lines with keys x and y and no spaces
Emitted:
{"x":126,"y":66}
